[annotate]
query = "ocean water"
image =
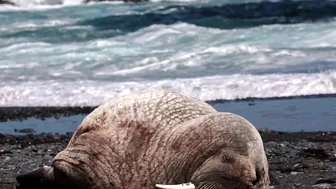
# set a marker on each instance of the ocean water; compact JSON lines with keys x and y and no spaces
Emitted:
{"x":65,"y":53}
{"x":287,"y":115}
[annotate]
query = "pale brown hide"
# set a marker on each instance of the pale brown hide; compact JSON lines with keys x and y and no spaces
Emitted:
{"x":159,"y":136}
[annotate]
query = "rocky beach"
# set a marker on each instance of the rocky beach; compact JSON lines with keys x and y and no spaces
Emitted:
{"x":296,"y":159}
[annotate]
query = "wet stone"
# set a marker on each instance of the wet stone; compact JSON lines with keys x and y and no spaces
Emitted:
{"x":333,"y":168}
{"x":295,"y":173}
{"x":324,"y":185}
{"x":47,"y":157}
{"x":40,"y":152}
{"x":317,"y":153}
{"x":34,"y":149}
{"x":329,"y":181}
{"x":7,"y":158}
{"x":25,"y":130}
{"x":3,"y":151}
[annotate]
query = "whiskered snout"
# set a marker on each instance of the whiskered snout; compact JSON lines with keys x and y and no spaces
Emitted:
{"x":41,"y":178}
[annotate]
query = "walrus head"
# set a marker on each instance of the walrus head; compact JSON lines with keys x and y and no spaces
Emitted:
{"x":39,"y":179}
{"x":239,"y":172}
{"x":47,"y":178}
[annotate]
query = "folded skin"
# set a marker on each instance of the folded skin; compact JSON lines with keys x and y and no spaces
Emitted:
{"x":157,"y":137}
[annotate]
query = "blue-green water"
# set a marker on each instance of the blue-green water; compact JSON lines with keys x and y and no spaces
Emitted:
{"x":58,"y":54}
{"x":289,"y":115}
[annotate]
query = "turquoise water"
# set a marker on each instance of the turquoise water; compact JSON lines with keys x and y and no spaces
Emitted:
{"x":64,"y":53}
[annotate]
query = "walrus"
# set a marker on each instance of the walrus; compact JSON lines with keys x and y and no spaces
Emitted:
{"x":157,"y":136}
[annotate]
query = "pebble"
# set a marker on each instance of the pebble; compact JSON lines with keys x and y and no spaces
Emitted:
{"x":328,"y":181}
{"x":324,"y":185}
{"x":272,"y":143}
{"x":322,"y":166}
{"x":47,"y":157}
{"x":25,"y":130}
{"x":316,"y":153}
{"x":34,"y":149}
{"x":295,"y":173}
{"x":306,"y":165}
{"x":40,"y":152}
{"x":297,"y":185}
{"x":296,"y":165}
{"x":7,"y":158}
{"x":3,"y":151}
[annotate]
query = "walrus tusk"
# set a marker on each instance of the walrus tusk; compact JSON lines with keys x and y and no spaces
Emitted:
{"x":188,"y":185}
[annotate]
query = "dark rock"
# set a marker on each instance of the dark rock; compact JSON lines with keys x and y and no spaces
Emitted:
{"x":273,"y":179}
{"x":318,"y":153}
{"x":2,"y":152}
{"x":34,"y":149}
{"x":328,"y":181}
{"x":283,"y":168}
{"x":47,"y":157}
{"x":5,"y":2}
{"x":20,"y":113}
{"x":88,"y":1}
{"x":40,"y":152}
{"x":25,"y":130}
{"x":306,"y":165}
{"x":251,"y":103}
{"x":297,"y":184}
{"x":69,"y":133}
{"x":322,"y":166}
{"x":7,"y":158}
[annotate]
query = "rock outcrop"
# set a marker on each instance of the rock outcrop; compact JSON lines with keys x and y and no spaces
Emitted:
{"x":5,"y":2}
{"x":89,"y":1}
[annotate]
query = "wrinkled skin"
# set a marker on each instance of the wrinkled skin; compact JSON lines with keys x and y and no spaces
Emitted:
{"x":157,"y":136}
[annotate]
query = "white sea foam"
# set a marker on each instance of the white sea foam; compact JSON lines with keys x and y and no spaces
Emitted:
{"x":31,"y":3}
{"x":43,"y":4}
{"x":60,"y":57}
{"x":175,"y":51}
{"x":91,"y":93}
{"x":50,"y":4}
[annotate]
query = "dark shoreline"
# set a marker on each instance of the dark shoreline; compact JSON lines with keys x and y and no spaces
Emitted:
{"x":297,"y":160}
{"x":288,"y":114}
{"x":21,"y":113}
{"x":43,"y":112}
